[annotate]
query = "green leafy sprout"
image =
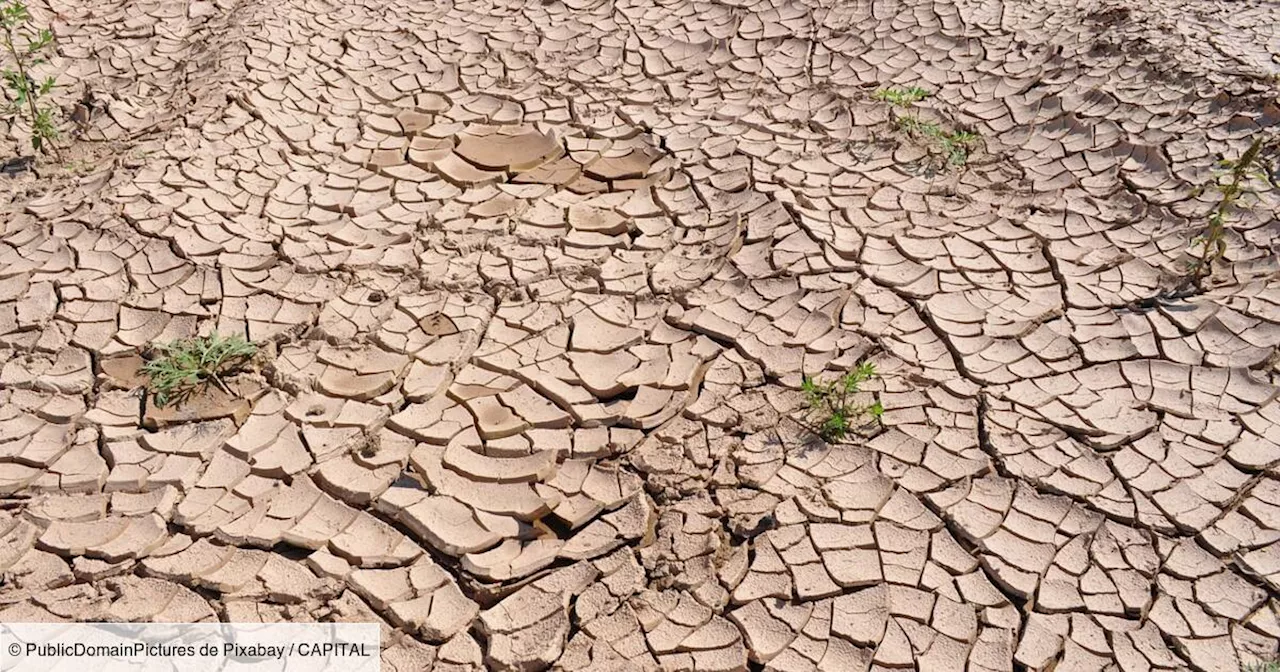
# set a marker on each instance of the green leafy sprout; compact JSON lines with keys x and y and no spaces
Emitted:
{"x":179,"y":369}
{"x":26,"y":47}
{"x":952,"y":146}
{"x":832,"y":409}
{"x":901,"y":97}
{"x":1232,"y":180}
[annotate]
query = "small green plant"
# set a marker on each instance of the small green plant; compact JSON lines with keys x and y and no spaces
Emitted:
{"x":903,"y":98}
{"x":1261,"y":666}
{"x":26,"y":46}
{"x":832,"y":411}
{"x":179,"y":369}
{"x":1232,"y":180}
{"x":952,"y":146}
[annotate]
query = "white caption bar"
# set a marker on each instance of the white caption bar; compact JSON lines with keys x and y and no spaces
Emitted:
{"x":190,"y":647}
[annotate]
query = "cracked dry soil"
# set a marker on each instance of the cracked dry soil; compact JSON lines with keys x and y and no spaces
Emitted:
{"x":538,"y":282}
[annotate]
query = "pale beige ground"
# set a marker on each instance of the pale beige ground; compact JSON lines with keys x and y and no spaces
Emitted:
{"x":538,"y":280}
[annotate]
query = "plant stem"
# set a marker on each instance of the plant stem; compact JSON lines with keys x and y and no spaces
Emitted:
{"x":218,"y":381}
{"x":22,"y":74}
{"x":1215,"y":236}
{"x":27,"y":88}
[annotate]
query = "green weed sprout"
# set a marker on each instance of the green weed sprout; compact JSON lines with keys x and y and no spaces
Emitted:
{"x":1231,"y":180}
{"x":952,"y":146}
{"x":832,"y":413}
{"x":180,"y":368}
{"x":26,"y":46}
{"x":901,"y":97}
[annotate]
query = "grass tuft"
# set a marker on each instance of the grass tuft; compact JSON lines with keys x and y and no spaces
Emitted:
{"x":179,"y":369}
{"x":901,"y":97}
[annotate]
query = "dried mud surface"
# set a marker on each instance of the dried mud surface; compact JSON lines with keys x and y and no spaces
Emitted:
{"x":538,"y":282}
